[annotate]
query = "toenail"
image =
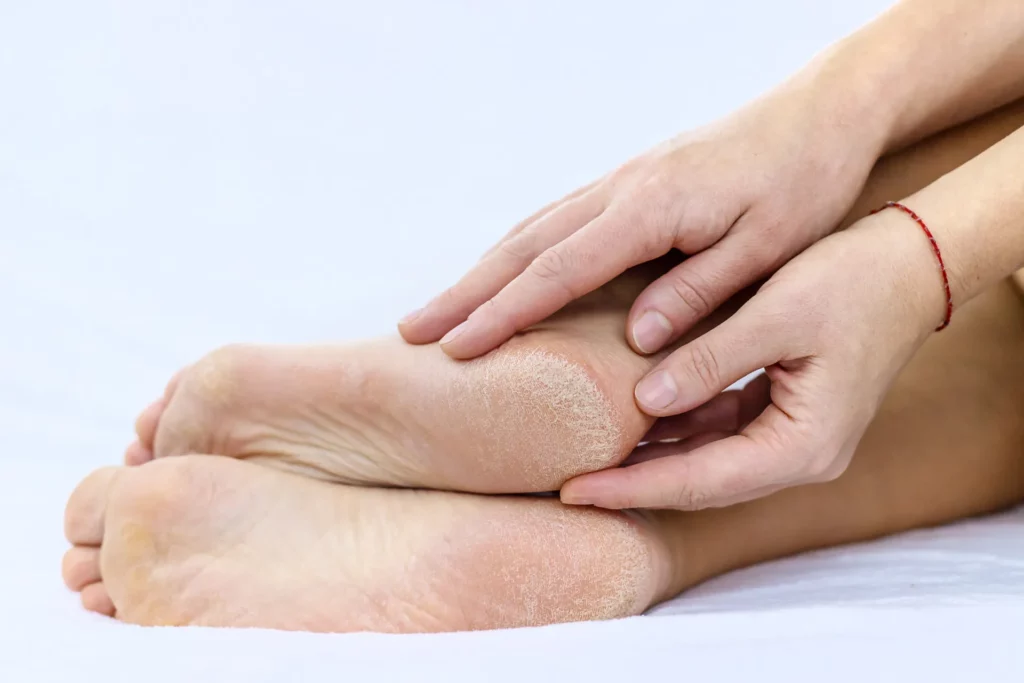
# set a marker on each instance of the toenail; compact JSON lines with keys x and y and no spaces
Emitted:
{"x":410,"y":317}
{"x":651,"y":332}
{"x":459,"y":329}
{"x":657,"y":391}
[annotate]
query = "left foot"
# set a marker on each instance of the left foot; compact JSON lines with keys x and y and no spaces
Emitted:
{"x":552,"y":403}
{"x":212,"y":541}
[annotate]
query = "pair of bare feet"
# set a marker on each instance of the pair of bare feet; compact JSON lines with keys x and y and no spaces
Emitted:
{"x":321,"y":545}
{"x":305,"y":536}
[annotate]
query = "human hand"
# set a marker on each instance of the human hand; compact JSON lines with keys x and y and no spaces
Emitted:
{"x":741,"y":197}
{"x":833,"y":328}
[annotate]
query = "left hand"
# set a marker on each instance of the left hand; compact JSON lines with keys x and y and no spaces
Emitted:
{"x":741,"y":197}
{"x":832,"y":328}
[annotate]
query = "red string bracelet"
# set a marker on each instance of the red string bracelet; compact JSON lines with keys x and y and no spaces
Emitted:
{"x":938,"y":255}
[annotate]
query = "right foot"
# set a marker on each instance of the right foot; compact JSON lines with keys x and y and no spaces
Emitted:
{"x":553,"y":403}
{"x":210,"y":541}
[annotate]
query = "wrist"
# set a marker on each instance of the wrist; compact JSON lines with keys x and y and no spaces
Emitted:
{"x":907,"y":267}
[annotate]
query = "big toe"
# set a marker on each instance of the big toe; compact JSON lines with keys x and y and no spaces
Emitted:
{"x":87,"y":507}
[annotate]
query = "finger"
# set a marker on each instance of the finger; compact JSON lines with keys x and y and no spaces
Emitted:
{"x":589,"y":258}
{"x":727,"y":471}
{"x":700,"y":370}
{"x":653,"y":451}
{"x":510,"y":258}
{"x":730,"y":411}
{"x":720,"y":414}
{"x":679,"y":299}
{"x":536,"y":216}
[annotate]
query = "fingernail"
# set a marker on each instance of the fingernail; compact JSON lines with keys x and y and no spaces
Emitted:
{"x":410,"y":317}
{"x":657,"y":391}
{"x":570,"y":497}
{"x":452,"y":334}
{"x":651,"y":332}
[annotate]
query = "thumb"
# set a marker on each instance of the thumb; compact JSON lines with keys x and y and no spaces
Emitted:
{"x":717,"y":474}
{"x":679,"y":299}
{"x":699,"y":371}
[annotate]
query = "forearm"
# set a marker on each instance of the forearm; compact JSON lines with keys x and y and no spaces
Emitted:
{"x":923,"y":66}
{"x":976,"y":213}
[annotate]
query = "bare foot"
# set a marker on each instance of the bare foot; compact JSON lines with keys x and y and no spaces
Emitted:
{"x":553,"y":403}
{"x":212,"y":541}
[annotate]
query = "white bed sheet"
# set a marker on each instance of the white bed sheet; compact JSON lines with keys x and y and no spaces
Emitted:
{"x":174,"y":177}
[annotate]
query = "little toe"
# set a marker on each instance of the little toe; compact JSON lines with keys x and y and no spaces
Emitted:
{"x":137,"y":454}
{"x":81,"y":567}
{"x":147,"y":422}
{"x":87,"y":507}
{"x":95,"y":598}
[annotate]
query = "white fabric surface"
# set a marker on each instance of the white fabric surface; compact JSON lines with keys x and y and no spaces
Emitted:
{"x":177,"y":176}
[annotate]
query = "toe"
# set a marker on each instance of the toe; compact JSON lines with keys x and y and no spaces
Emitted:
{"x":81,"y":567}
{"x":137,"y":454}
{"x":172,"y":386}
{"x":146,"y":423}
{"x":95,"y":598}
{"x":86,"y":509}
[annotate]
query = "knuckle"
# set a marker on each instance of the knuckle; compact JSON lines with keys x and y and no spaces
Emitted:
{"x":689,"y":498}
{"x":690,"y":294}
{"x":653,"y":209}
{"x":771,"y":240}
{"x":497,"y":315}
{"x":685,"y":495}
{"x":518,"y":249}
{"x":647,"y":234}
{"x":704,"y":365}
{"x":700,"y":223}
{"x":550,"y":266}
{"x":773,"y":225}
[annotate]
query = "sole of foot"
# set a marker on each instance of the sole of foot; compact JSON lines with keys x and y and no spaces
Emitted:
{"x":212,"y":541}
{"x":552,"y":403}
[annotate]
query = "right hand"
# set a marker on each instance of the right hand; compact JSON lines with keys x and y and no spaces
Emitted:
{"x":741,"y":197}
{"x":832,"y":328}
